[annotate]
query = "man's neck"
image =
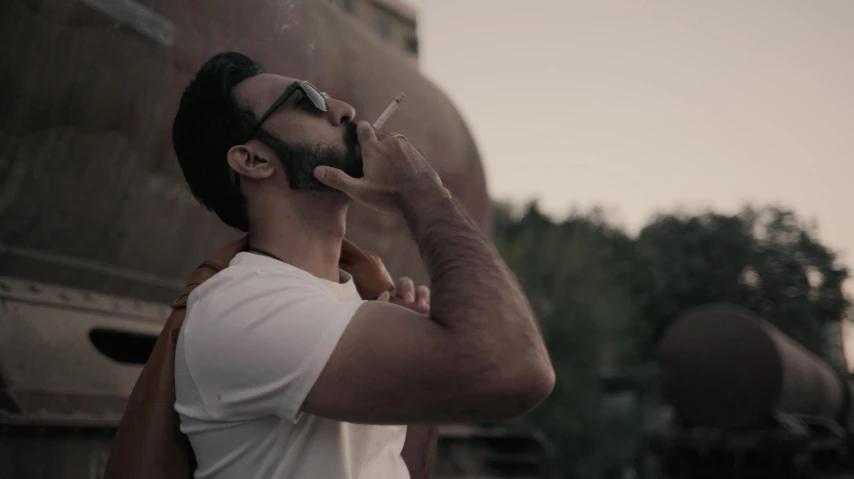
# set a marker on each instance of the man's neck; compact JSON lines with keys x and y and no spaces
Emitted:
{"x":305,"y":236}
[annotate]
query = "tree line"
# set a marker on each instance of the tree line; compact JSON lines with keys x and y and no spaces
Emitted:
{"x":604,"y":298}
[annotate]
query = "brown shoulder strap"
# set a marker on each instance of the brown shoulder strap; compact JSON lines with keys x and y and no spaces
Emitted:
{"x":368,"y":271}
{"x":213,"y":265}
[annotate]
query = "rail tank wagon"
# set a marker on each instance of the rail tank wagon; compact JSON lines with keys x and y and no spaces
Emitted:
{"x":749,"y":401}
{"x":98,"y":231}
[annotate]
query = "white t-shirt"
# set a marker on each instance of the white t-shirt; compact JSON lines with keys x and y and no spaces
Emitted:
{"x":254,"y":341}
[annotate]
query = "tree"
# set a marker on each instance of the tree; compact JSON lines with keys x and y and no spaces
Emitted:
{"x":604,"y":299}
{"x":767,"y":260}
{"x":578,"y":275}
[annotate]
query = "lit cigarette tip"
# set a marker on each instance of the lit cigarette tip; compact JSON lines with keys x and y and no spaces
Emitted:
{"x":388,"y":111}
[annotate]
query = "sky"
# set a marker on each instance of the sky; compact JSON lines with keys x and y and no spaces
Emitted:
{"x":648,"y":106}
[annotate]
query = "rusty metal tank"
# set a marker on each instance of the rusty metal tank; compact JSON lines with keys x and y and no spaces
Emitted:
{"x":68,"y":360}
{"x":98,"y":230}
{"x":724,"y":367}
{"x":91,"y":195}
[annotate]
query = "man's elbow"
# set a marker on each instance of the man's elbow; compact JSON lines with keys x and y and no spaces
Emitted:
{"x":545,"y":382}
{"x":535,"y":387}
{"x":520,"y":394}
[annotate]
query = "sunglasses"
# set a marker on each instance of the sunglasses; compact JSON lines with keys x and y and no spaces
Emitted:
{"x":317,"y":98}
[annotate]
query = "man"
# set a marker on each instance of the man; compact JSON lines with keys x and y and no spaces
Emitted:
{"x":281,"y":369}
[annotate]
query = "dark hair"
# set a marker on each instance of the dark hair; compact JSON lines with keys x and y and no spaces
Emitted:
{"x":208,"y":123}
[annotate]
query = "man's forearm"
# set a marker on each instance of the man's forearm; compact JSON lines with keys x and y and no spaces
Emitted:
{"x":473,"y":293}
{"x":419,"y":450}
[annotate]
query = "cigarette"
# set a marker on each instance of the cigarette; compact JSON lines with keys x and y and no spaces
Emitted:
{"x":388,"y":111}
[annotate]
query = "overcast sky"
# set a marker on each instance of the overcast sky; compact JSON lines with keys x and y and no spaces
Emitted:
{"x":643,"y":106}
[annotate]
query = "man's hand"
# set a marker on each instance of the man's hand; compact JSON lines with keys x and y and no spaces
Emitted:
{"x":391,"y":166}
{"x":407,"y":295}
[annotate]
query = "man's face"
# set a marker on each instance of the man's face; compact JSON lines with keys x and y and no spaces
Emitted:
{"x":300,"y":135}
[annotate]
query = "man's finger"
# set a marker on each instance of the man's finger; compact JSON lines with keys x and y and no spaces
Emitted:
{"x":383,"y":135}
{"x":384,"y":296}
{"x":335,"y":178}
{"x":406,"y":289}
{"x":366,"y":133}
{"x":422,"y":296}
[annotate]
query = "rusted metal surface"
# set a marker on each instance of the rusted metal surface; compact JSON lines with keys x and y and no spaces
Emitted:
{"x":68,"y":360}
{"x":54,"y":454}
{"x":70,"y":357}
{"x":98,"y":230}
{"x":91,"y":195}
{"x":724,"y":367}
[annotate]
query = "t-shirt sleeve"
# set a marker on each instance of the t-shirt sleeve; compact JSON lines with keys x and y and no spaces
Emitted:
{"x":258,"y":349}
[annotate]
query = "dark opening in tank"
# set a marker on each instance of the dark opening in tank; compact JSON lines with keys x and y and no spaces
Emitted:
{"x":123,"y":346}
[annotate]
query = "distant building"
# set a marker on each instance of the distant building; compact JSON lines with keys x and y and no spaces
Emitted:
{"x":392,"y":20}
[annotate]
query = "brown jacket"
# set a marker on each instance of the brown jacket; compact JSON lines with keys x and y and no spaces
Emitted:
{"x":149,"y":443}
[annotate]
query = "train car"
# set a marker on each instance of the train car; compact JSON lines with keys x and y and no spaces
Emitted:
{"x":750,"y":402}
{"x":98,"y":231}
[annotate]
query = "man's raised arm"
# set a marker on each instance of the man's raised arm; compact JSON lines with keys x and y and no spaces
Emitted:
{"x":479,"y":355}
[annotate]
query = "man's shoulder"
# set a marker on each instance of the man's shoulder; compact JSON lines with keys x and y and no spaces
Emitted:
{"x":259,"y":324}
{"x":247,"y":287}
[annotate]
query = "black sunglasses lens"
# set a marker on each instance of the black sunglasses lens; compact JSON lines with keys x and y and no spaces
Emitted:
{"x":315,"y":96}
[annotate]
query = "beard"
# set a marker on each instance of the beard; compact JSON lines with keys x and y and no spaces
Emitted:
{"x":300,"y":160}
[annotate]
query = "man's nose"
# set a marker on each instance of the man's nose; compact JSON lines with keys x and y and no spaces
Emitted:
{"x":339,"y":112}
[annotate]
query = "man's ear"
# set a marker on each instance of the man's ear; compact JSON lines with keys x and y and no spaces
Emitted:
{"x":250,"y":162}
